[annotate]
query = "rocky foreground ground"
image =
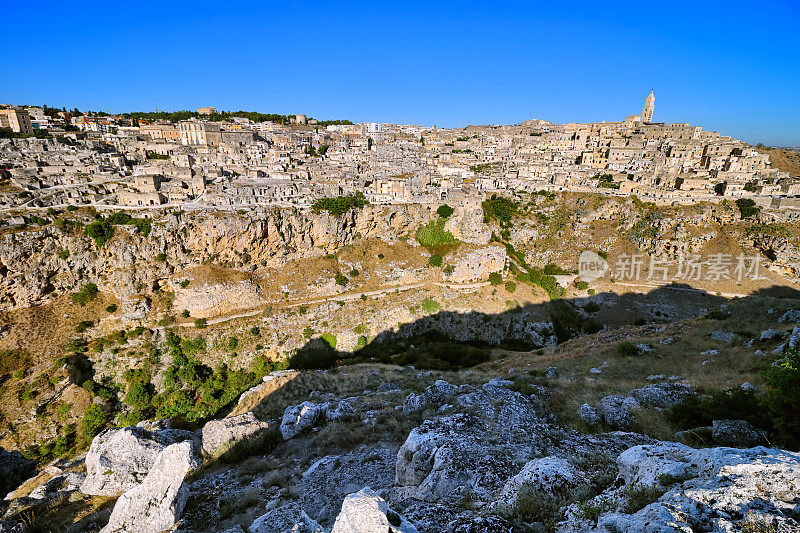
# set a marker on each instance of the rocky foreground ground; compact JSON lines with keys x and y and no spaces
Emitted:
{"x":465,"y":457}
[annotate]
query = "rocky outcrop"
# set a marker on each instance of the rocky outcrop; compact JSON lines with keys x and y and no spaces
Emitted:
{"x":298,"y":418}
{"x":545,"y":477}
{"x":736,"y":433}
{"x":219,"y":436}
{"x":712,"y":489}
{"x":366,"y":512}
{"x":433,"y":396}
{"x":120,"y":458}
{"x":157,"y":503}
{"x":663,"y":395}
{"x":619,"y":412}
{"x":286,"y":518}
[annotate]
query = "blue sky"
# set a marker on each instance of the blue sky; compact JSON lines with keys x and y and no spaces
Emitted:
{"x":728,"y":66}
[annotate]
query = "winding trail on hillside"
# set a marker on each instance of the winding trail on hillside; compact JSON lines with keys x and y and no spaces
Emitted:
{"x":345,"y":298}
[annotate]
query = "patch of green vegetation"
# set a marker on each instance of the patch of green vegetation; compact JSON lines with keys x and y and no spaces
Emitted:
{"x":86,"y":294}
{"x":444,"y":211}
{"x":435,"y":260}
{"x":340,"y":205}
{"x":495,"y":278}
{"x":499,"y":208}
{"x":329,"y":338}
{"x":430,"y":305}
{"x":511,"y":287}
{"x":340,"y":279}
{"x":747,"y":207}
{"x":627,"y":349}
{"x":637,"y":497}
{"x":433,"y":235}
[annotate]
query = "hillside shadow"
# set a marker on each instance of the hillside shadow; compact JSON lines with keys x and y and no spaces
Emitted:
{"x":448,"y":340}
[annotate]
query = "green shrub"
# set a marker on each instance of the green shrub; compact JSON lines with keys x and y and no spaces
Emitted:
{"x":581,"y":285}
{"x":435,"y":260}
{"x":185,"y":313}
{"x":111,"y":308}
{"x":313,"y":357}
{"x":161,"y":257}
{"x":782,"y":399}
{"x":94,"y":419}
{"x":499,"y":208}
{"x":340,"y":279}
{"x":747,"y":207}
{"x":495,"y":278}
{"x":718,"y":314}
{"x":511,"y":286}
{"x":63,"y":254}
{"x":430,"y":305}
{"x":184,"y":283}
{"x":591,"y":307}
{"x":732,"y":404}
{"x":99,"y":230}
{"x":83,"y":325}
{"x":354,"y":273}
{"x":200,"y":323}
{"x":86,"y":294}
{"x":138,"y":396}
{"x":637,"y":497}
{"x":627,"y":349}
{"x":329,"y":338}
{"x":444,"y":211}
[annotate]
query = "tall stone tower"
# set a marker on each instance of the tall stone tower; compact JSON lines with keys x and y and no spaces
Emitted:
{"x":649,"y":107}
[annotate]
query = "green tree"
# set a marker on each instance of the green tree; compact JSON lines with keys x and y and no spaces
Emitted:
{"x":444,"y":211}
{"x":435,"y":260}
{"x":495,"y":278}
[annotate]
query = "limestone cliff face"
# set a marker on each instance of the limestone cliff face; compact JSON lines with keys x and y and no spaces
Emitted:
{"x":39,"y":264}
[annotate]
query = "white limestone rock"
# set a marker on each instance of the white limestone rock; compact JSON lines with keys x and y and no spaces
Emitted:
{"x":366,"y":512}
{"x":619,"y":411}
{"x":120,"y":458}
{"x":221,"y":435}
{"x":712,"y":489}
{"x":589,"y":414}
{"x":663,"y":395}
{"x":736,"y":433}
{"x":550,"y":476}
{"x":286,"y":518}
{"x":157,"y":503}
{"x":792,"y":315}
{"x":298,"y":418}
{"x":723,"y":336}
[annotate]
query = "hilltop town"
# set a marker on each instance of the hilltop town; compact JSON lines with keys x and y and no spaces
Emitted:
{"x":229,"y":161}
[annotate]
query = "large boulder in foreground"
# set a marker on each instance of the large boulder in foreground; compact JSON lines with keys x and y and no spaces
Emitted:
{"x":366,"y":512}
{"x":120,"y":458}
{"x":711,"y":489}
{"x":157,"y":503}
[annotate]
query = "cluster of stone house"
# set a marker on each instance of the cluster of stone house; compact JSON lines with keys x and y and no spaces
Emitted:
{"x":238,"y":163}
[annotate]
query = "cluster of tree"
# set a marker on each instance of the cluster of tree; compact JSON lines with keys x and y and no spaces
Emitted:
{"x":341,"y":204}
{"x":219,"y":116}
{"x":8,"y":133}
{"x":499,"y":208}
{"x":102,"y":229}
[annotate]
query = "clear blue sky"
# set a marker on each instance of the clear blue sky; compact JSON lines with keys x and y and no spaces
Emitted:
{"x":725,"y":65}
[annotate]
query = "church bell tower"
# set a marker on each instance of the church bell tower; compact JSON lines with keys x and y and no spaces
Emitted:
{"x":649,"y":107}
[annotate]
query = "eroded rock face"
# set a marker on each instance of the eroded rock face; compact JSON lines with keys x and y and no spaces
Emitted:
{"x":157,"y":503}
{"x":120,"y":458}
{"x":711,"y":489}
{"x":221,"y":435}
{"x":287,"y":518}
{"x":366,"y":512}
